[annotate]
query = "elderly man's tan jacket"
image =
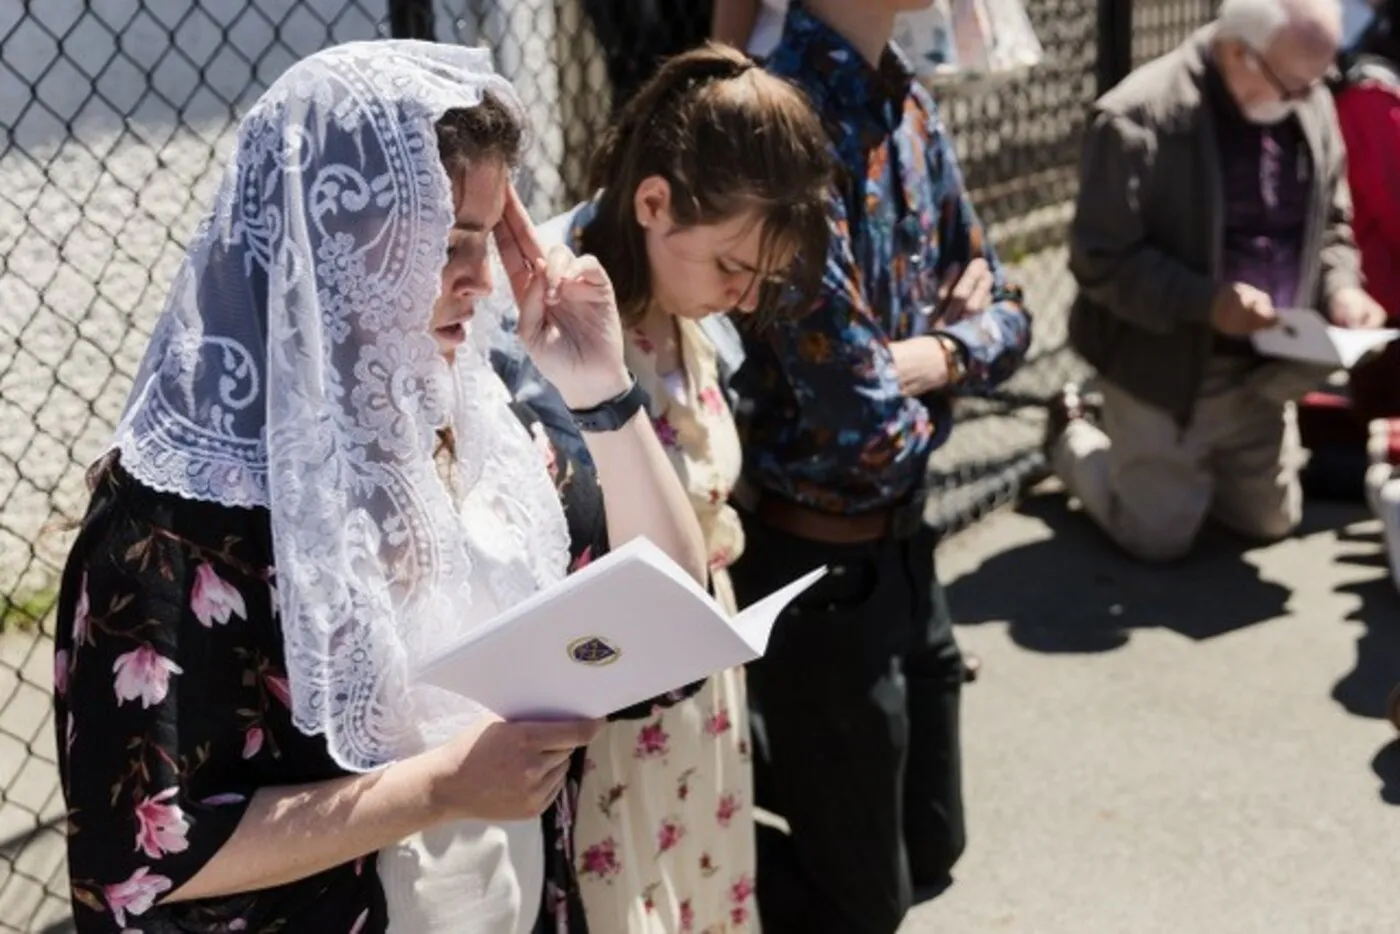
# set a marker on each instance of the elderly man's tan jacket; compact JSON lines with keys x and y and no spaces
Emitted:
{"x":1146,"y":241}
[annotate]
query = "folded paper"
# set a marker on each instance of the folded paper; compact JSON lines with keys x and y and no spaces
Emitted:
{"x":631,"y":626}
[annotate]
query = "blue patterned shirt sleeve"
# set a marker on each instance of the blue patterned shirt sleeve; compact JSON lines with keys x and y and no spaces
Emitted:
{"x":846,"y":425}
{"x":824,"y":420}
{"x":996,"y":340}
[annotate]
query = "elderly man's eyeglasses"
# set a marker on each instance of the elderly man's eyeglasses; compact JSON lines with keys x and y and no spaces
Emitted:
{"x":1285,"y":91}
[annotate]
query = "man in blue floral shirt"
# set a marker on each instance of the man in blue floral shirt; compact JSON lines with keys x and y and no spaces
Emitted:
{"x":856,"y":701}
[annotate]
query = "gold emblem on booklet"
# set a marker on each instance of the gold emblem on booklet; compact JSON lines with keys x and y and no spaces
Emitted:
{"x":593,"y":650}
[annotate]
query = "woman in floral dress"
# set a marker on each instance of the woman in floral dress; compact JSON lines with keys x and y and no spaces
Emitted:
{"x":711,"y":181}
{"x":243,"y":748}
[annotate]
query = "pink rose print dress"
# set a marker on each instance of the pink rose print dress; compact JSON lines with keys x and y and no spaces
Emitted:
{"x":172,"y":709}
{"x":664,"y":838}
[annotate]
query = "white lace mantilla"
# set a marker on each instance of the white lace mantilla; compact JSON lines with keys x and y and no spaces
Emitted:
{"x":292,"y":369}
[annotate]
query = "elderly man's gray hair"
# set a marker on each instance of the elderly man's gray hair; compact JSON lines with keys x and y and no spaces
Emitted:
{"x":1255,"y":22}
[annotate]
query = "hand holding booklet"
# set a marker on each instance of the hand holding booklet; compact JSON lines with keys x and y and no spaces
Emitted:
{"x":1303,"y":334}
{"x":630,"y":626}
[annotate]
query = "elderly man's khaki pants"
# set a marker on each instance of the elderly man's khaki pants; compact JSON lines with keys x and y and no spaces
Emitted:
{"x":1150,"y":484}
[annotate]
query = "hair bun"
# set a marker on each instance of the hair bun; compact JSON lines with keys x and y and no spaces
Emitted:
{"x":714,"y":61}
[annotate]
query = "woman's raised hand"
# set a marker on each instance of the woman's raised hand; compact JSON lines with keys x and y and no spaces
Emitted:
{"x":568,"y":314}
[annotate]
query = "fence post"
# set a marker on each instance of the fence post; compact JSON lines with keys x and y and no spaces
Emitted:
{"x":412,"y":19}
{"x":1115,"y":42}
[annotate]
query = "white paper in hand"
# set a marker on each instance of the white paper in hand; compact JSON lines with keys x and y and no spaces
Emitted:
{"x":630,"y":626}
{"x":1303,"y":334}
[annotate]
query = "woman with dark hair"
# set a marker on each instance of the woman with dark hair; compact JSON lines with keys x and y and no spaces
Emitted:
{"x":710,"y":199}
{"x":282,"y":530}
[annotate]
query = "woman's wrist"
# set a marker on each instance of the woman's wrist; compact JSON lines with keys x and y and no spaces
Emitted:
{"x":597,"y":392}
{"x":426,"y":779}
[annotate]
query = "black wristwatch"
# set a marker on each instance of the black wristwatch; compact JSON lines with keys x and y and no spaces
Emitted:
{"x":615,"y":412}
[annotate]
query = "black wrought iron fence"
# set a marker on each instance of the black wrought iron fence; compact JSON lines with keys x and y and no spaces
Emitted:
{"x":116,"y":116}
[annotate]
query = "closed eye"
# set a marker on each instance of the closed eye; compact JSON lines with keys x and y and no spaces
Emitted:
{"x":730,"y":268}
{"x":459,"y":243}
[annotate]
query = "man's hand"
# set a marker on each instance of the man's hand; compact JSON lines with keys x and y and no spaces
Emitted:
{"x":1239,"y":310}
{"x":965,"y":291}
{"x":1353,"y":308}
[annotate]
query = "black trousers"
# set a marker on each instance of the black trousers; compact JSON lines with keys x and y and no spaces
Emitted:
{"x":855,"y":721}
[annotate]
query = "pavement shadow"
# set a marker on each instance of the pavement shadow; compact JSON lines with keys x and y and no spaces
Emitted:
{"x":1386,"y":765}
{"x":1076,"y":593}
{"x":1364,"y":690}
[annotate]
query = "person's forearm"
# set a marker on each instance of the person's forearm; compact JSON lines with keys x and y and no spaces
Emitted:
{"x":733,"y":22}
{"x":643,"y":495}
{"x":291,"y":833}
{"x":992,"y":353}
{"x":1340,"y":260}
{"x":921,"y":364}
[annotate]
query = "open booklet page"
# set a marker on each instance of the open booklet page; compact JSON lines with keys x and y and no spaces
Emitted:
{"x":630,"y":626}
{"x":1303,"y":334}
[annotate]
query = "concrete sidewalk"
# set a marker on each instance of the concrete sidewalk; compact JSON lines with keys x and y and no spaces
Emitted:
{"x":1195,"y":750}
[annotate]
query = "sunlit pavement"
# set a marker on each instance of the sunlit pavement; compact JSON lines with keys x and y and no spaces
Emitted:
{"x":1190,"y":750}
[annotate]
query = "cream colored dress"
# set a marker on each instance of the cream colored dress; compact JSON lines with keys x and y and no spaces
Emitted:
{"x":665,"y":826}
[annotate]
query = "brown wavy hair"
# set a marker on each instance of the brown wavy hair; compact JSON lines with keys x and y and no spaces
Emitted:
{"x":468,"y":135}
{"x":727,"y":137}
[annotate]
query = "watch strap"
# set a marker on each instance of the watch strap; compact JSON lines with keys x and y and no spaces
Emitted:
{"x":615,"y":412}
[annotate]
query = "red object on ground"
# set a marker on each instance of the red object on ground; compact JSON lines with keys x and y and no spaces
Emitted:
{"x":1326,"y":419}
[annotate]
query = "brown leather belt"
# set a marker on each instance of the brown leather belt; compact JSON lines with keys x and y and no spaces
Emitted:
{"x":835,"y":528}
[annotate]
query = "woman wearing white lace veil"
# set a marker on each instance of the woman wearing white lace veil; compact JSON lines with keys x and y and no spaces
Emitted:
{"x":243,"y":749}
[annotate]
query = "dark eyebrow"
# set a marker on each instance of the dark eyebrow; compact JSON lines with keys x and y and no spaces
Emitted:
{"x":470,"y":226}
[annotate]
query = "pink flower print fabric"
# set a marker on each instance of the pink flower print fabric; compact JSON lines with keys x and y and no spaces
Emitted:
{"x":666,"y":432}
{"x":136,"y":895}
{"x":600,"y":860}
{"x":669,"y":834}
{"x":713,"y":400}
{"x":161,"y":827}
{"x":652,"y":740}
{"x":170,"y":692}
{"x":213,"y":599}
{"x":143,"y":674}
{"x":665,"y":830}
{"x":172,"y":708}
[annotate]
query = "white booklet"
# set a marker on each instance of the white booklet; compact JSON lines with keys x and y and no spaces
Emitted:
{"x":629,"y":627}
{"x":1303,"y":334}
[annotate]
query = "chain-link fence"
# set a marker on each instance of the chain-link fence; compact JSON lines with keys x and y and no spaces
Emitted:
{"x":115,"y":118}
{"x":1019,"y":145}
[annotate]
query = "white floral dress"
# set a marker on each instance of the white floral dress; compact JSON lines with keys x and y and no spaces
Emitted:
{"x":665,"y":825}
